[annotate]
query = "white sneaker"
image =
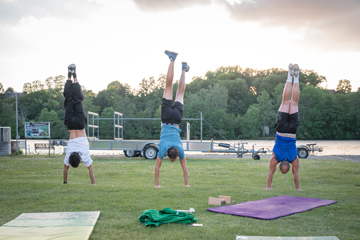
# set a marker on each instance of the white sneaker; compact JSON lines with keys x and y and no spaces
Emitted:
{"x":291,"y":69}
{"x":296,"y":70}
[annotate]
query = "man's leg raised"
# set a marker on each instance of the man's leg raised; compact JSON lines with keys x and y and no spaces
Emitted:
{"x":285,"y":104}
{"x":78,"y":97}
{"x":69,"y":113}
{"x":68,"y":86}
{"x":168,"y":92}
{"x":77,"y":94}
{"x":73,"y":102}
{"x":181,"y":89}
{"x":295,"y":91}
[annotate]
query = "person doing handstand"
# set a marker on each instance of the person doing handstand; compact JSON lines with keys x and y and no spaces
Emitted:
{"x":75,"y":120}
{"x":171,"y":115}
{"x":287,"y":121}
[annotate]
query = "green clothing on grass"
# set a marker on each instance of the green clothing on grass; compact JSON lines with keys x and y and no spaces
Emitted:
{"x":155,"y":218}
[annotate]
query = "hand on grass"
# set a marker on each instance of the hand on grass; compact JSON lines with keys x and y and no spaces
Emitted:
{"x":158,"y":186}
{"x":269,"y":189}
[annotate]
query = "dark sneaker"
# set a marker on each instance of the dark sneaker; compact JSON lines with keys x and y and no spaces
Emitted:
{"x":291,"y":69}
{"x":71,"y":69}
{"x":296,"y":70}
{"x":172,"y":55}
{"x":185,"y":67}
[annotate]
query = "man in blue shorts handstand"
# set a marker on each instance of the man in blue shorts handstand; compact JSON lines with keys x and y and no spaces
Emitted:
{"x":171,"y":115}
{"x":287,"y":121}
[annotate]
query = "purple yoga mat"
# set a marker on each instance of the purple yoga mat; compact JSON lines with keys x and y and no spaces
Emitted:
{"x":272,"y":208}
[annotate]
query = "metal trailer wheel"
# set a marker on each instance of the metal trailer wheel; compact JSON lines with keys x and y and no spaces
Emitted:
{"x":150,"y":152}
{"x":130,"y":153}
{"x":256,"y":157}
{"x":303,"y":153}
{"x":141,"y":153}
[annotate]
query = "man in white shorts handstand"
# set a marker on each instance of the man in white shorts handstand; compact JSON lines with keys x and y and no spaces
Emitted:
{"x":75,"y":120}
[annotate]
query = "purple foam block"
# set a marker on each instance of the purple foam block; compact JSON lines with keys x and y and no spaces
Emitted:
{"x":272,"y":208}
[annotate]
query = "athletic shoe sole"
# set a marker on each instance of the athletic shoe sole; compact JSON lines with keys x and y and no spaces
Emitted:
{"x":171,"y":54}
{"x":291,"y":69}
{"x":185,"y":67}
{"x":72,"y":68}
{"x":296,"y":70}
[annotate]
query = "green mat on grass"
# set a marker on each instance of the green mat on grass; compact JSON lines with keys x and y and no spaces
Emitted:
{"x":56,"y":225}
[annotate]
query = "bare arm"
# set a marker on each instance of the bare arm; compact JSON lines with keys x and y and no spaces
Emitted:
{"x":185,"y":171}
{"x":295,"y":169}
{"x":66,"y":168}
{"x":272,"y":166}
{"x":92,"y":176}
{"x":157,"y":171}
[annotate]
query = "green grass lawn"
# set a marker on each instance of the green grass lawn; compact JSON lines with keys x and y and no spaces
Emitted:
{"x":125,"y":187}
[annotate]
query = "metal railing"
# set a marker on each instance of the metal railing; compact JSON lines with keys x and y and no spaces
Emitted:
{"x":117,"y":118}
{"x":92,"y":125}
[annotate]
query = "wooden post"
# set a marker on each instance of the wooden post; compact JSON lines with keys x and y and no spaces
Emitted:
{"x":220,"y":200}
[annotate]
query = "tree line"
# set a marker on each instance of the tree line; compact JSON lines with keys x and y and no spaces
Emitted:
{"x":236,"y":103}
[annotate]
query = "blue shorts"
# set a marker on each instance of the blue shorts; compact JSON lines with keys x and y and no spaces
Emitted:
{"x":285,"y":148}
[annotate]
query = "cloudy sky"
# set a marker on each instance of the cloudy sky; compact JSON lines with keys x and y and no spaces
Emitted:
{"x":125,"y":40}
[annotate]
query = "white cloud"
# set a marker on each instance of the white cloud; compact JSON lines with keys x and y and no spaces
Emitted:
{"x":323,"y":23}
{"x":329,"y":23}
{"x":168,"y":5}
{"x":117,"y":41}
{"x":12,"y":11}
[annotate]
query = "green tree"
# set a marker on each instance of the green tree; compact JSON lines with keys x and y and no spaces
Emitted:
{"x":236,"y":102}
{"x":46,"y":116}
{"x":268,"y":83}
{"x":212,"y":102}
{"x":239,"y":96}
{"x":57,"y":128}
{"x":105,"y":98}
{"x":35,"y":102}
{"x":89,"y":101}
{"x":216,"y":97}
{"x":54,"y":90}
{"x":313,"y":106}
{"x":353,"y":121}
{"x":267,"y":111}
{"x":106,"y":127}
{"x":310,"y":77}
{"x":36,"y":85}
{"x":10,"y":90}
{"x":2,"y":90}
{"x":193,"y":105}
{"x":8,"y":117}
{"x":344,"y":86}
{"x":126,"y":106}
{"x":250,"y":123}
